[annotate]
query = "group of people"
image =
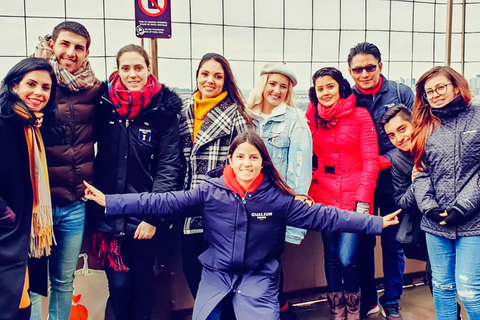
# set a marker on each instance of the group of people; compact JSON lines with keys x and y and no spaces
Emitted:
{"x":236,"y":174}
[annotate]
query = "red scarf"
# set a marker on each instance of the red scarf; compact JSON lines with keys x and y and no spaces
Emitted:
{"x":129,"y":102}
{"x":232,"y":183}
{"x":340,"y":109}
{"x":374,"y":90}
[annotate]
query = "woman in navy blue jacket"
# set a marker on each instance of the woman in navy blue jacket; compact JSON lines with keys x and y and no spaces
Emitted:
{"x":246,"y":207}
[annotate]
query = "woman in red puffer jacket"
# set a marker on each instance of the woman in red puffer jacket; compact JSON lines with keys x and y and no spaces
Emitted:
{"x":345,"y":144}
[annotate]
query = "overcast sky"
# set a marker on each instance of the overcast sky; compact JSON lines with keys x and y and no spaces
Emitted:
{"x":410,"y":34}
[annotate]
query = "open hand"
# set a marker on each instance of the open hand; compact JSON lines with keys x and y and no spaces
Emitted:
{"x":92,"y":193}
{"x":391,"y":219}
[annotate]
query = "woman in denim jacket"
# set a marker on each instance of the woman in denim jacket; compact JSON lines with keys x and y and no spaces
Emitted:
{"x":285,"y":132}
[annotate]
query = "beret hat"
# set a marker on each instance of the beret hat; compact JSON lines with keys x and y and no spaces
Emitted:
{"x":281,"y":69}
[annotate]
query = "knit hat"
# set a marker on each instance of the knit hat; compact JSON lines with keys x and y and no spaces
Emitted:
{"x":281,"y":69}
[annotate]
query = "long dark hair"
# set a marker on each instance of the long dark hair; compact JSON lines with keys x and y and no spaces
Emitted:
{"x":230,"y":84}
{"x":344,"y":89}
{"x":423,"y":118}
{"x":268,"y":169}
{"x":9,"y":98}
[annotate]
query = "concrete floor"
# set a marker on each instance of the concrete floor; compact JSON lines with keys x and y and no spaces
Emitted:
{"x":416,"y":304}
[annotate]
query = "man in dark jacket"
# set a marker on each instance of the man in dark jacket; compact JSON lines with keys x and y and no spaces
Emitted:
{"x":70,"y":154}
{"x":377,"y":95}
{"x":398,"y":125}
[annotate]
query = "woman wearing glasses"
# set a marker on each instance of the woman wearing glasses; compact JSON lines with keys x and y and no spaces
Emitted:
{"x":446,"y":149}
{"x":345,"y":143}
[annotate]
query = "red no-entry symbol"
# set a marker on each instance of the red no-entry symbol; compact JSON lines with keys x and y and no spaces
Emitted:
{"x":151,"y":7}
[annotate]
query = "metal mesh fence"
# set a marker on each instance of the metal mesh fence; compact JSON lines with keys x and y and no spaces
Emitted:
{"x":306,"y":34}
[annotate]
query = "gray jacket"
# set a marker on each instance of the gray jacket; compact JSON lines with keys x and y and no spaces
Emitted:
{"x":451,"y":180}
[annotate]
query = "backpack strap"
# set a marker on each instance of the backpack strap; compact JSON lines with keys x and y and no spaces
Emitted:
{"x":398,"y":93}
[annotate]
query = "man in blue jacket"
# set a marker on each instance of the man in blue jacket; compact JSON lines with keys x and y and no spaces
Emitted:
{"x":377,"y":95}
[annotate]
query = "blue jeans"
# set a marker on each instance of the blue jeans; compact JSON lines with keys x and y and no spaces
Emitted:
{"x":455,"y":269}
{"x":68,"y":225}
{"x":393,"y":259}
{"x":341,"y":251}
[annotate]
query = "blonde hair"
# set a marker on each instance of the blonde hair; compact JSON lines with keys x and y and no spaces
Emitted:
{"x":255,"y":97}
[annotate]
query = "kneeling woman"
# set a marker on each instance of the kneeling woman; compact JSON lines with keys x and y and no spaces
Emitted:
{"x":246,"y":207}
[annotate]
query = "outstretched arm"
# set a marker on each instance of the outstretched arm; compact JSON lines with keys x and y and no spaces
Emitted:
{"x":149,"y":204}
{"x":304,"y":214}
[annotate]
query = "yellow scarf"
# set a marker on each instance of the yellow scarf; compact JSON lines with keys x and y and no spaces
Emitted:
{"x":41,"y":235}
{"x":202,"y":107}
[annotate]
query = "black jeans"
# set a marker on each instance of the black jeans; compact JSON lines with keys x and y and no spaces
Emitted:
{"x":131,"y":292}
{"x":393,"y":258}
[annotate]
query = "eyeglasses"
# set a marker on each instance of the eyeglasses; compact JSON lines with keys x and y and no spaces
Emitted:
{"x":439,"y":89}
{"x":370,"y":68}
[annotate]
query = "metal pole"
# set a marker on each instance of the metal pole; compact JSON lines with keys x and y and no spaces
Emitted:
{"x":464,"y":8}
{"x":448,"y":36}
{"x":154,"y":54}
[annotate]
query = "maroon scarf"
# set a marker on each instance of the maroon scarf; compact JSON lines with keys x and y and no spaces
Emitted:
{"x":128,"y":102}
{"x":341,"y":108}
{"x":232,"y":183}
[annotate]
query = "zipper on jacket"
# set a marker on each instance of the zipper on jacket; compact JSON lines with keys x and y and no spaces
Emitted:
{"x":243,"y":199}
{"x":72,"y":142}
{"x":127,"y":122}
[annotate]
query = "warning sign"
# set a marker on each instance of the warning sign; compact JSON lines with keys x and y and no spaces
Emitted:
{"x":153,"y":19}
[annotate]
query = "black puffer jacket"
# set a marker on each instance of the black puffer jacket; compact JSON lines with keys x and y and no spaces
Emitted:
{"x":451,"y":180}
{"x":142,"y":154}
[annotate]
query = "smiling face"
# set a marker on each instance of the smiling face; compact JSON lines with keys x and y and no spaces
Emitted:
{"x":365,"y":80}
{"x":327,"y":90}
{"x":440,"y":100}
{"x":70,"y":49}
{"x":275,"y":91}
{"x":34,"y":89}
{"x":246,"y":162}
{"x":210,"y":79}
{"x":133,"y":70}
{"x":399,"y":132}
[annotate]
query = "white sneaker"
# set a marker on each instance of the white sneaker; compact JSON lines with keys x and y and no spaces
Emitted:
{"x":373,"y":309}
